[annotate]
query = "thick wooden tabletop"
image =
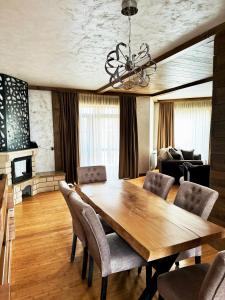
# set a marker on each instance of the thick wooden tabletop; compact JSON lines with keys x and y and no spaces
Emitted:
{"x":152,"y":226}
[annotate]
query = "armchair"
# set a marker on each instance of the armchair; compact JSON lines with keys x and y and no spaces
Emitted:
{"x":174,"y":168}
{"x":197,"y":174}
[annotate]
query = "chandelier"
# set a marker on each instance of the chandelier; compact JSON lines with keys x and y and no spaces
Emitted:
{"x":126,"y":69}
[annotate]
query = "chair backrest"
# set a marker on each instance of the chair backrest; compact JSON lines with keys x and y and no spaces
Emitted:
{"x":96,"y":239}
{"x":158,"y":183}
{"x":196,"y":199}
{"x":65,"y":190}
{"x":213,"y":286}
{"x":77,"y":226}
{"x":91,"y":174}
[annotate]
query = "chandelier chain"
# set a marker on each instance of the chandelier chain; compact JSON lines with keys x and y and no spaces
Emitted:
{"x":129,"y":44}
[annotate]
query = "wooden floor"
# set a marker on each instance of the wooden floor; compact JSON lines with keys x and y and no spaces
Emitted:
{"x":41,"y":268}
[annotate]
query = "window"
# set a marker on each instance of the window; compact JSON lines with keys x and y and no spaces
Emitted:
{"x":99,"y":132}
{"x":192,"y":126}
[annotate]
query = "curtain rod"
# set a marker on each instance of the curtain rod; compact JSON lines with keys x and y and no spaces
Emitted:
{"x":185,"y":100}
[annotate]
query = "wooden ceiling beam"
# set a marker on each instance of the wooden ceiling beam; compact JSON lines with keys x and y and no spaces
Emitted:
{"x":183,"y":86}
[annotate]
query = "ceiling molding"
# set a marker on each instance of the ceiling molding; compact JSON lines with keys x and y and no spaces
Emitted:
{"x":80,"y":91}
{"x":58,"y":89}
{"x":184,"y":100}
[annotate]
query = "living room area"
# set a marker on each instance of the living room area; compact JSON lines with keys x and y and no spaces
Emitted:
{"x":112,"y":150}
{"x":183,"y":138}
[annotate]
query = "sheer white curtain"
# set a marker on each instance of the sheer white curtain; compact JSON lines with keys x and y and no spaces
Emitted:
{"x":192,"y":121}
{"x":99,"y":132}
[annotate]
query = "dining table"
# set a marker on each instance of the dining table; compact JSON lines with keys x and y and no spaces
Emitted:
{"x":156,"y":229}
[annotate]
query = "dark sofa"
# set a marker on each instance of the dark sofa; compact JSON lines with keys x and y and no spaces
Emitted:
{"x":174,"y":167}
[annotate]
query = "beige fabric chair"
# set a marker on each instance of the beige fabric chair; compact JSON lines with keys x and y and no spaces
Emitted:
{"x":91,"y":174}
{"x":158,"y":183}
{"x":78,"y":231}
{"x":198,"y":282}
{"x":198,"y":200}
{"x":110,"y":252}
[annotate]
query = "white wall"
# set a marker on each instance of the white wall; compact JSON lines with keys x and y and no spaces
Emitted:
{"x":143,"y":122}
{"x":41,"y":128}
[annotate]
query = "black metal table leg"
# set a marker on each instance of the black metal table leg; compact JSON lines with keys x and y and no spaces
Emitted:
{"x":161,"y":266}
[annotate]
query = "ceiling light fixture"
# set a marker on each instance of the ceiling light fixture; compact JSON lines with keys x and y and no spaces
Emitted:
{"x":129,"y":70}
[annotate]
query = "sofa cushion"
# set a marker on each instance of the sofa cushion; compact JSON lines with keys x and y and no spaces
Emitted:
{"x":176,"y":153}
{"x":164,"y":154}
{"x":188,"y":154}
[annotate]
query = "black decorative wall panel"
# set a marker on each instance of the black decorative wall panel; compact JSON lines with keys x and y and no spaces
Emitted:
{"x":14,"y":114}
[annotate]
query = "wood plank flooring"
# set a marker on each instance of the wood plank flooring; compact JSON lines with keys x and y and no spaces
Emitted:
{"x":40,"y":266}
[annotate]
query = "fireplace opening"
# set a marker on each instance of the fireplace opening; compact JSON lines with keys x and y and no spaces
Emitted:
{"x":21,"y":169}
{"x":26,"y":192}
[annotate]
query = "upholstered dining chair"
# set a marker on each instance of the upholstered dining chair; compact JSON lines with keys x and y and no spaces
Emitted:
{"x":198,"y":282}
{"x":198,"y":200}
{"x":77,"y":227}
{"x":111,"y":253}
{"x":91,"y":174}
{"x":158,"y":183}
{"x":78,"y":231}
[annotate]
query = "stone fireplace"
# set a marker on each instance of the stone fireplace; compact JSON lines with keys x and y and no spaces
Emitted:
{"x":40,"y":182}
{"x":17,"y":157}
{"x":6,"y":159}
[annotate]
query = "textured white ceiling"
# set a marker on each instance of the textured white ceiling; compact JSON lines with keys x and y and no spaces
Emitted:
{"x":65,"y":42}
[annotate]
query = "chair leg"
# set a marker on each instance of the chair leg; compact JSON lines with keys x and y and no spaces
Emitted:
{"x":84,"y":267}
{"x":197,"y":260}
{"x":73,"y":250}
{"x":90,"y":271}
{"x":139,"y":270}
{"x":104,"y":288}
{"x":177,"y":264}
{"x":148,"y":274}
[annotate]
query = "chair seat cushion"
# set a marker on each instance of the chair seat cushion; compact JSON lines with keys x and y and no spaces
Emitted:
{"x":105,"y":226}
{"x":123,"y":257}
{"x":182,"y":284}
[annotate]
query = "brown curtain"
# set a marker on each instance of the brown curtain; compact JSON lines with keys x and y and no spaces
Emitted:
{"x":166,"y":125}
{"x":66,"y":133}
{"x":128,"y":157}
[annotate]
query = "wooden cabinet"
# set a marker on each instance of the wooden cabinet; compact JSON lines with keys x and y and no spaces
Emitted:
{"x":7,"y":234}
